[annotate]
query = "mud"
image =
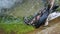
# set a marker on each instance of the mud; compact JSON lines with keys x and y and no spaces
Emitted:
{"x":53,"y":26}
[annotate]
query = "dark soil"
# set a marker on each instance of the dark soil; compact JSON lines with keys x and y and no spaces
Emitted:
{"x":2,"y":31}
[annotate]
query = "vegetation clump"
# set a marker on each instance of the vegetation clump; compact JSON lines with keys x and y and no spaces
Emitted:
{"x":10,"y":23}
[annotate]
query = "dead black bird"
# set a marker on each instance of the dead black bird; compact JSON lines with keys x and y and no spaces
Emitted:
{"x":40,"y":18}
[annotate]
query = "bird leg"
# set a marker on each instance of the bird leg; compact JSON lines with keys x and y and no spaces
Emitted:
{"x":46,"y":23}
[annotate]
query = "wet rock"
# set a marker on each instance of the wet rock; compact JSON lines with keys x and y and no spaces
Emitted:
{"x":6,"y":5}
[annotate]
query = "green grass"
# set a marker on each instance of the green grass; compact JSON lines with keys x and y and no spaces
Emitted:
{"x":19,"y":27}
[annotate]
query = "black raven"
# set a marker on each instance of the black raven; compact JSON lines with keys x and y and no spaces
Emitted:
{"x":42,"y":17}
